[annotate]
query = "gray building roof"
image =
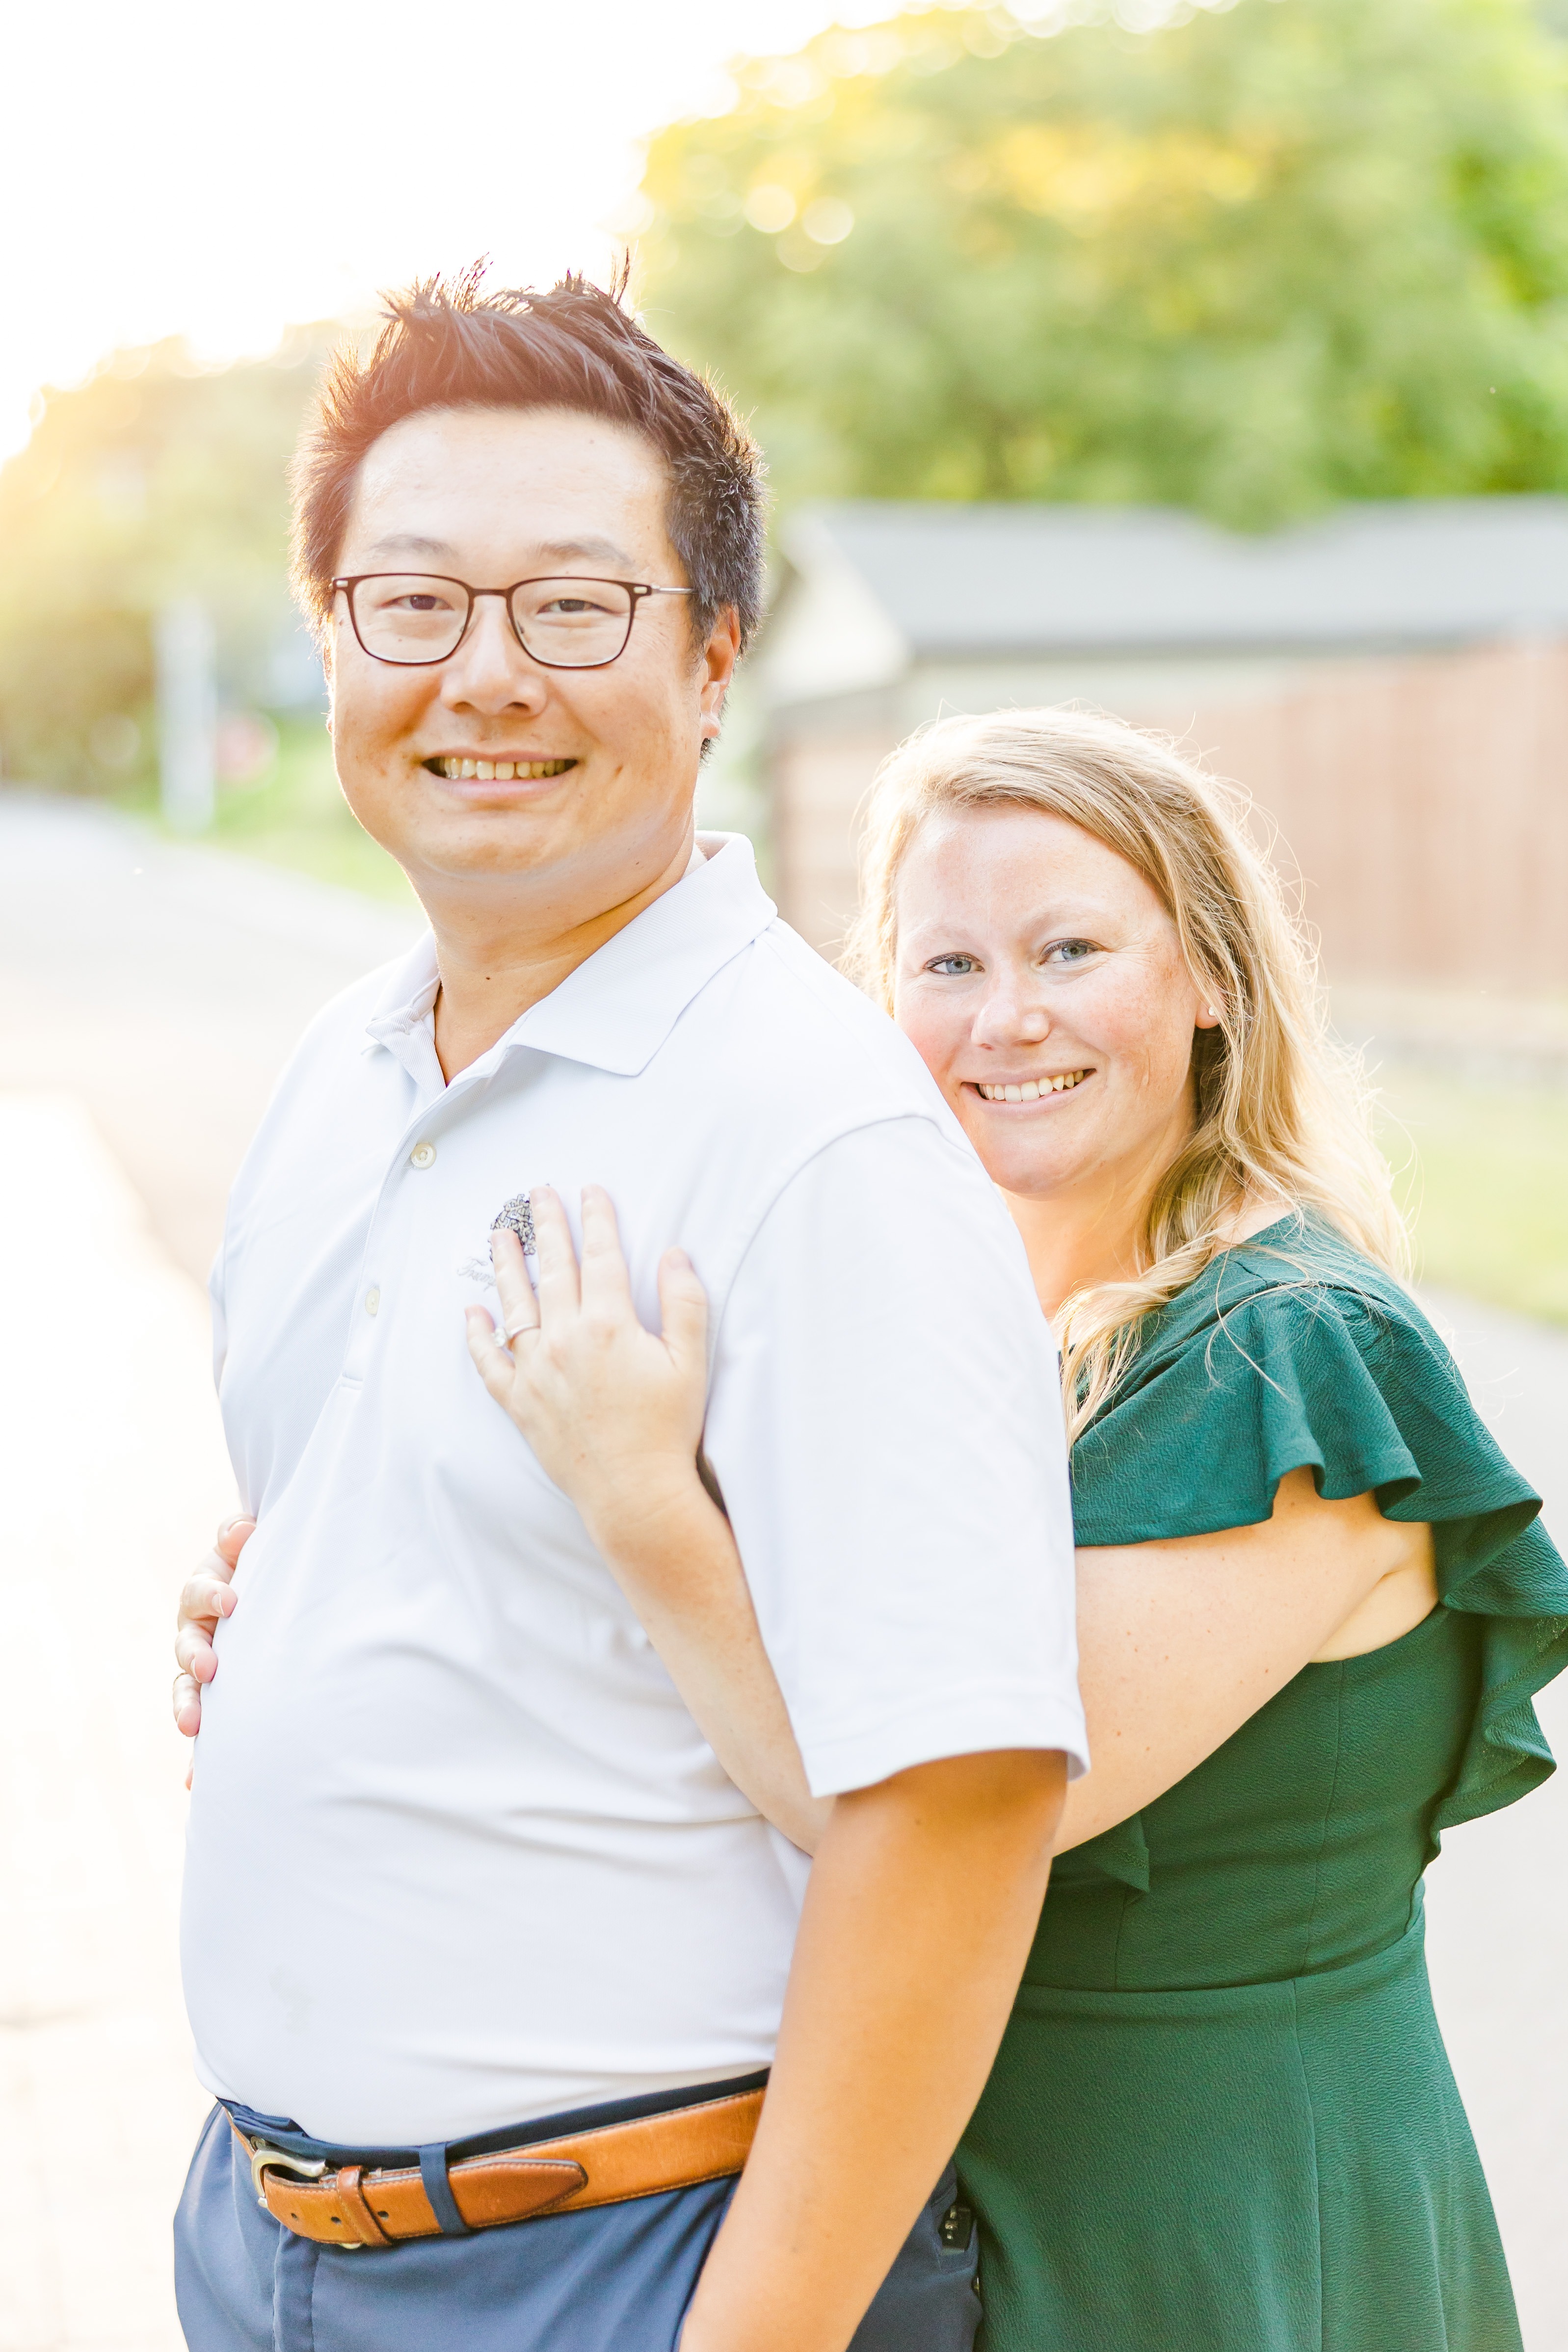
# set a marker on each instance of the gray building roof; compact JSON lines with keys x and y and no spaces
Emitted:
{"x":977,"y":582}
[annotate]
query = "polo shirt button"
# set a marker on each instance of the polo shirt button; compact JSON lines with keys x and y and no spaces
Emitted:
{"x":371,"y":1302}
{"x":422,"y":1155}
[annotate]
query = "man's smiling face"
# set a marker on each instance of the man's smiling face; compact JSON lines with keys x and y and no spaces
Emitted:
{"x":604,"y":761}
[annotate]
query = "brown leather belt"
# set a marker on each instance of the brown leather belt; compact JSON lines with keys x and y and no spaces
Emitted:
{"x":604,"y":2165}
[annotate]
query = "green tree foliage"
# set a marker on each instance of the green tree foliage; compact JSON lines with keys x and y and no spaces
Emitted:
{"x":155,"y":479}
{"x":1253,"y":262}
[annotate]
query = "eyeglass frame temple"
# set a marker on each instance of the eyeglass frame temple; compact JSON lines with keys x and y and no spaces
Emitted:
{"x":636,"y":589}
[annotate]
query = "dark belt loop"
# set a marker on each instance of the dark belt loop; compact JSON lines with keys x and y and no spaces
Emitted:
{"x":438,"y":2188}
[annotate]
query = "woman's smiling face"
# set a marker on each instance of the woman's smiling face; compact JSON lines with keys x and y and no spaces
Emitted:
{"x":1041,"y":978}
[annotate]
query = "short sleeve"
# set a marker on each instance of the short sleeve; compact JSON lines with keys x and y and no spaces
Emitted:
{"x":1360,"y":1390}
{"x":885,"y":1424}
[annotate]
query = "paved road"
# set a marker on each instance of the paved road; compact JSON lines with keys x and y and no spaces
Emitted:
{"x":163,"y":988}
{"x":151,"y":994}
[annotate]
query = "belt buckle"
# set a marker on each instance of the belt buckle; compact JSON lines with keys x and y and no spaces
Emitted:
{"x":264,"y":2158}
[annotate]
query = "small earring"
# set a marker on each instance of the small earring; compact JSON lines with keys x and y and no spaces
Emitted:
{"x":1213,"y":1012}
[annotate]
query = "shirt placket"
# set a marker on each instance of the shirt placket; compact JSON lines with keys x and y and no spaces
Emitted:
{"x":415,"y":1158}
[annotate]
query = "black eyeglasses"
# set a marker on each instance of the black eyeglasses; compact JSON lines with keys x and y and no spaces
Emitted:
{"x":416,"y":619}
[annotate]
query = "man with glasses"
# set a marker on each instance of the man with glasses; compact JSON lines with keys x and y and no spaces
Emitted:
{"x":485,"y":1957}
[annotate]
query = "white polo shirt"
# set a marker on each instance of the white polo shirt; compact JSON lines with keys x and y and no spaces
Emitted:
{"x":459,"y":1855}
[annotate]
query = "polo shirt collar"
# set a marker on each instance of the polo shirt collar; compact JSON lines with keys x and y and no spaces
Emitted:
{"x":615,"y":1011}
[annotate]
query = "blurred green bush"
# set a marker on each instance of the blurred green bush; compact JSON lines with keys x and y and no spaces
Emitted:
{"x":1261,"y":260}
{"x":155,"y":480}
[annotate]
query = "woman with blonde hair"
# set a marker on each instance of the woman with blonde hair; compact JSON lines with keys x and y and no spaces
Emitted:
{"x":1222,"y":2114}
{"x":1314,"y":1600}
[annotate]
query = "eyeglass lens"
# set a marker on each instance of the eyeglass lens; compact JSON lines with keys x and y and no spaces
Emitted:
{"x":566,"y":624}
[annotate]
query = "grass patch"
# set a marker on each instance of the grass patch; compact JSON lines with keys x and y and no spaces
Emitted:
{"x":295,"y":815}
{"x":1482,"y":1171}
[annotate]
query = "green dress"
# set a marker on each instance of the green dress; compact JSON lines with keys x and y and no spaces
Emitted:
{"x":1223,"y":2119}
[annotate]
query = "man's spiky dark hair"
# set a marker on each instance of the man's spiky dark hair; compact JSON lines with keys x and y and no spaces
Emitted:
{"x":448,"y":344}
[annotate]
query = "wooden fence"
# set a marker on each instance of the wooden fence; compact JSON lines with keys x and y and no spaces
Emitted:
{"x":1423,"y":806}
{"x":1422,"y":803}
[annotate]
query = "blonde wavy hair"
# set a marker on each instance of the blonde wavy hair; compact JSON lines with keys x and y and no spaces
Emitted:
{"x":1280,"y":1112}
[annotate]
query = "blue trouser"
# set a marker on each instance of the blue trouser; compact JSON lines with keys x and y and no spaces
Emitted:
{"x":616,"y":2278}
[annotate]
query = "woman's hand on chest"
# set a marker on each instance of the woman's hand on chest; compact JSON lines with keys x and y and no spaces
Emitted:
{"x":612,"y":1411}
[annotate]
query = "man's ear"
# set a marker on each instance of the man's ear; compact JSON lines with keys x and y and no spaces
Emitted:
{"x":720,"y":657}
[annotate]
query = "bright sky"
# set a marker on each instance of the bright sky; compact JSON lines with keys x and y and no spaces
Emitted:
{"x":221,"y":171}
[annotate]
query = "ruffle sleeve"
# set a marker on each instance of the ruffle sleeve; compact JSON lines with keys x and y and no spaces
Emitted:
{"x":1522,"y":1596}
{"x":1355,"y":1385}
